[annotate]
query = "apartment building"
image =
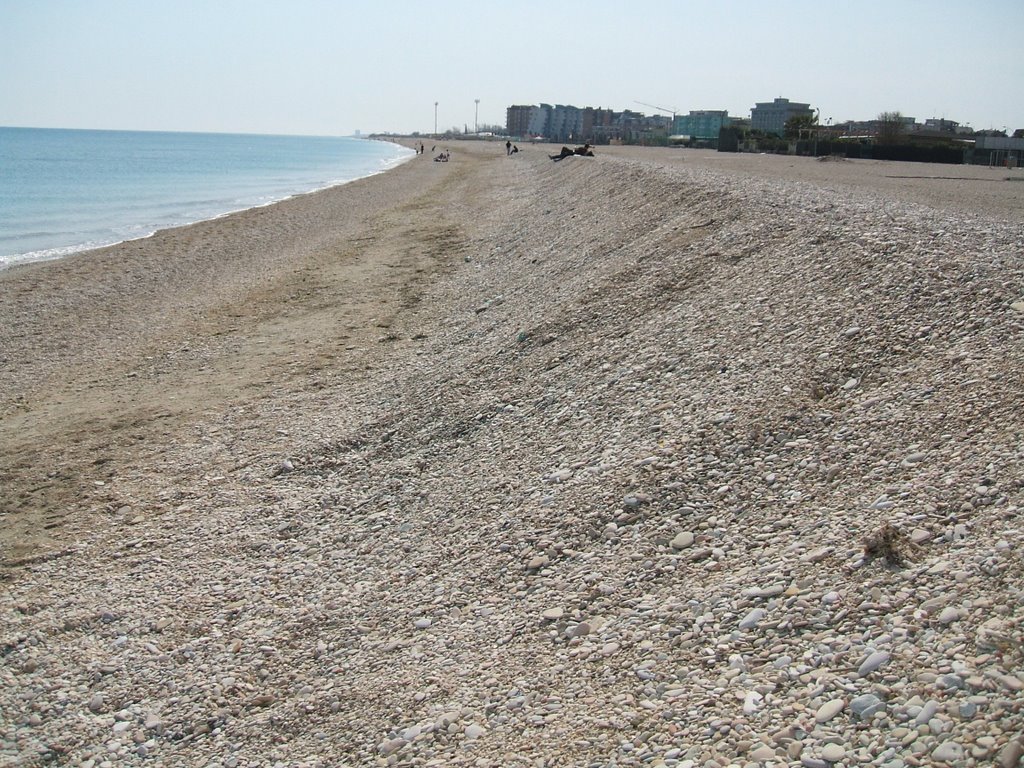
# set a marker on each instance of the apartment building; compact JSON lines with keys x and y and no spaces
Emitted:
{"x":517,"y":119}
{"x":702,"y":124}
{"x":772,"y":116}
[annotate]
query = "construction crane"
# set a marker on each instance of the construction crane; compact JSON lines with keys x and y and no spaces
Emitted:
{"x":660,"y":109}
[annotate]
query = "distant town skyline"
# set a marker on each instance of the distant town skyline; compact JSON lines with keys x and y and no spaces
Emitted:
{"x":909,"y":120}
{"x":780,"y":125}
{"x":322,"y":68}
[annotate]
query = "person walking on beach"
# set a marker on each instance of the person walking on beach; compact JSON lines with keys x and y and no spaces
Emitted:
{"x":508,"y":147}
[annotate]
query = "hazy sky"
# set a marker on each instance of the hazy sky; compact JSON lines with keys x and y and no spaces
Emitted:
{"x":334,"y":67}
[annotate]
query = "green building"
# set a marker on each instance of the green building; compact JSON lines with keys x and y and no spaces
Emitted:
{"x":701,"y":125}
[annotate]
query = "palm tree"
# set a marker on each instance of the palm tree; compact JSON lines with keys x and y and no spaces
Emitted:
{"x":798,"y":125}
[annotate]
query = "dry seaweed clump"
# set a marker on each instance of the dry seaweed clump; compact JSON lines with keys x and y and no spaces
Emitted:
{"x":890,"y":543}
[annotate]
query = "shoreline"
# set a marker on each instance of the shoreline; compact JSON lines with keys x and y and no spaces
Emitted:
{"x":59,"y":252}
{"x":83,"y":333}
{"x":110,"y":319}
{"x":34,"y":257}
{"x":508,"y":461}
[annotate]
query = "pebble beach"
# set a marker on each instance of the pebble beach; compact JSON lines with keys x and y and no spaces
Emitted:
{"x":656,"y":458}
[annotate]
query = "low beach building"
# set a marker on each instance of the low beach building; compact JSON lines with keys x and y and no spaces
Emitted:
{"x":998,"y":151}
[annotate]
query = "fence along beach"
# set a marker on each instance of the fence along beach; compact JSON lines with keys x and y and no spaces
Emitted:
{"x":515,"y":461}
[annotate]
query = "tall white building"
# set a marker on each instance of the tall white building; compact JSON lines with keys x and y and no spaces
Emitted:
{"x":771,"y":116}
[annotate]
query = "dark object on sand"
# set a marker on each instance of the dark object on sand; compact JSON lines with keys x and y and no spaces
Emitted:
{"x":584,"y":151}
{"x":890,"y":544}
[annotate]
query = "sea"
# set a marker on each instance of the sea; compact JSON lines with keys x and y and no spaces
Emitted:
{"x":64,"y":191}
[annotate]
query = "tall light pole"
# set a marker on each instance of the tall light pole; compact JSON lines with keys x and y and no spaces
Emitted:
{"x":435,"y":118}
{"x":817,"y":127}
{"x":476,"y":117}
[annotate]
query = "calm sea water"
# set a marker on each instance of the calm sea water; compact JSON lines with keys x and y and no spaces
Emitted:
{"x":63,"y":191}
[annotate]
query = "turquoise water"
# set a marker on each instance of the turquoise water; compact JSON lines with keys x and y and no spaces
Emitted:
{"x":63,"y":191}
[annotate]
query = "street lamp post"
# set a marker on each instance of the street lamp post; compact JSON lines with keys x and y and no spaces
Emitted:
{"x":435,"y":118}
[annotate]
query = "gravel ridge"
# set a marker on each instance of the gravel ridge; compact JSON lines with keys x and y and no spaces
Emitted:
{"x":667,"y":466}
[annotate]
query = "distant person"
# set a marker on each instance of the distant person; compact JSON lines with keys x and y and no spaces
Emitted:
{"x":515,"y":149}
{"x":508,"y":147}
{"x":584,"y":151}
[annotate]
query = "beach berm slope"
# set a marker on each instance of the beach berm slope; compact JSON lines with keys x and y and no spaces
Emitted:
{"x":650,"y":458}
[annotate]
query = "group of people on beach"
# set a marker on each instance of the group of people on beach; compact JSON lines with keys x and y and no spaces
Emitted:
{"x":444,"y":157}
{"x":512,"y":149}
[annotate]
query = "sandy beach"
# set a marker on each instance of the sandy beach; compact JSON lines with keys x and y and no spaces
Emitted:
{"x":661,"y":457}
{"x":103,"y":350}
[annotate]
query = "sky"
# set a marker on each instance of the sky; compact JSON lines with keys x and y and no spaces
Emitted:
{"x":334,"y":67}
